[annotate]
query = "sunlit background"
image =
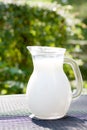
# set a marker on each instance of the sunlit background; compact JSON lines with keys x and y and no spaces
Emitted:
{"x":59,"y":23}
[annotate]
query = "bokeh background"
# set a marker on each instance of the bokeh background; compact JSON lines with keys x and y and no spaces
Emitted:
{"x":58,"y":23}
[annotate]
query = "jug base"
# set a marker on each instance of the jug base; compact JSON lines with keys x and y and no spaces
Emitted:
{"x":46,"y":118}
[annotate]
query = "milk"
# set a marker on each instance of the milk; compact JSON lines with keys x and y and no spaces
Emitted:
{"x":48,"y":89}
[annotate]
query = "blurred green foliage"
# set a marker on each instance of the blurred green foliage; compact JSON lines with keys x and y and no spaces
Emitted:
{"x":79,"y":8}
{"x":23,"y":25}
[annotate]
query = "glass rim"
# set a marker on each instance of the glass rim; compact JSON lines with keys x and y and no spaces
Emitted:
{"x":46,"y":50}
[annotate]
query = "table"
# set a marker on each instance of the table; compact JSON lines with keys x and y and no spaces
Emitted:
{"x":14,"y":115}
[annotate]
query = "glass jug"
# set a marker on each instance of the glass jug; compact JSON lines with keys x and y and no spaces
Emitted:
{"x":48,"y":91}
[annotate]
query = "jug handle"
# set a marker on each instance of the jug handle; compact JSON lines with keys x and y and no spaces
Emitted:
{"x":79,"y":84}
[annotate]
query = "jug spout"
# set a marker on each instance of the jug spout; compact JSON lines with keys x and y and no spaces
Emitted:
{"x":46,"y":56}
{"x":47,"y":51}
